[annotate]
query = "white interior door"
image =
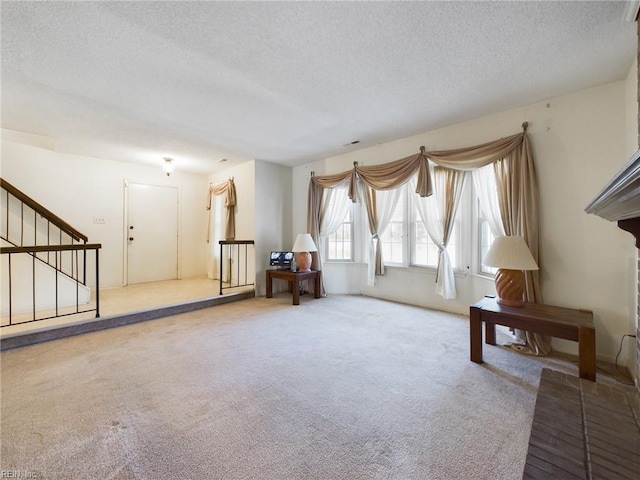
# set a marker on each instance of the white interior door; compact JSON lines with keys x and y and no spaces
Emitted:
{"x":151,"y":233}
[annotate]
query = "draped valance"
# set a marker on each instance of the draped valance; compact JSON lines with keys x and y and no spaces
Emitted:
{"x":512,"y":156}
{"x":397,"y":173}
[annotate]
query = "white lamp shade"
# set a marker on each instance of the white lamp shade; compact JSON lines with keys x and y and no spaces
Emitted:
{"x":304,"y":243}
{"x":510,"y":253}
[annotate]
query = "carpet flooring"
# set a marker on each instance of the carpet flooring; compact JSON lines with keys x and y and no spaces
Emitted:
{"x":343,"y":387}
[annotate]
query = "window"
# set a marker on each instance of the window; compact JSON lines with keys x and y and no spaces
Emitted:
{"x":393,"y":238}
{"x":485,"y":239}
{"x":415,"y":248}
{"x":339,"y":245}
{"x":425,"y":252}
{"x":406,"y":243}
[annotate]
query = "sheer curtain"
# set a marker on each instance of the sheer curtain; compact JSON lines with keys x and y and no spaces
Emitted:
{"x":484,"y":181}
{"x":438,"y":213}
{"x":380,"y":207}
{"x":335,"y":206}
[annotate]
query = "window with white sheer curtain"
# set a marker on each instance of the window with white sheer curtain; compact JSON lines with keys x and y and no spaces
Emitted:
{"x":406,"y":242}
{"x":485,"y":239}
{"x":339,"y":246}
{"x":385,"y":204}
{"x":335,"y":208}
{"x":489,"y":221}
{"x":393,"y":238}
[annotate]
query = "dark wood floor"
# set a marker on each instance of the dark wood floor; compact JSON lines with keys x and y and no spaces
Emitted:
{"x":583,"y":430}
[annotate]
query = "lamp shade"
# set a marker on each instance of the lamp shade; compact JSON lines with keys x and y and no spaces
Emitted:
{"x":510,"y":253}
{"x":304,"y":243}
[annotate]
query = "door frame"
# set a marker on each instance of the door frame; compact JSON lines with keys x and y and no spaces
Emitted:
{"x":125,"y":228}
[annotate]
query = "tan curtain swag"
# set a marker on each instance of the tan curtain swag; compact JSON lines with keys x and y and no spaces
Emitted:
{"x":394,"y":174}
{"x":518,"y":200}
{"x":227,"y":188}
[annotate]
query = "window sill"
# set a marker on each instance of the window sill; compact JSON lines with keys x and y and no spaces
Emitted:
{"x":429,"y":270}
{"x":485,"y":276}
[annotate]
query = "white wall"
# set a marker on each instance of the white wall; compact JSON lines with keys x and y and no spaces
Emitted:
{"x":79,"y":188}
{"x":263,"y":211}
{"x":244,"y":178}
{"x":24,"y":275}
{"x":273,"y":215}
{"x":579,"y":142}
{"x":631,"y":111}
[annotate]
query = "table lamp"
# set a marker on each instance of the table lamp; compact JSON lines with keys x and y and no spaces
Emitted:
{"x":511,"y":256}
{"x":302,"y":246}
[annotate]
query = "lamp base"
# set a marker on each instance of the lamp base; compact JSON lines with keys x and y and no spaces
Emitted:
{"x":510,"y":287}
{"x":303,"y":259}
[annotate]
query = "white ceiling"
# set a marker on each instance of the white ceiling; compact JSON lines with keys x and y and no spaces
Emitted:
{"x":288,"y":82}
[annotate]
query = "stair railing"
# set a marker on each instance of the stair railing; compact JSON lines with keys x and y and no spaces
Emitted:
{"x":57,"y":251}
{"x":32,"y":229}
{"x":237,"y":276}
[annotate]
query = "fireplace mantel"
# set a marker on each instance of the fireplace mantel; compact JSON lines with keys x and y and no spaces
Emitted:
{"x":619,"y":200}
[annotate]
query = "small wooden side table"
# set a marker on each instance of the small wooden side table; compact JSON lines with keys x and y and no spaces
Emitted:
{"x":566,"y":323}
{"x":294,"y":279}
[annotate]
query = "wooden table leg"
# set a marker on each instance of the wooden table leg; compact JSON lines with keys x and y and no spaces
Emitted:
{"x":295,"y":285}
{"x":317,"y":286}
{"x":269,"y":285}
{"x":587,"y":353}
{"x":475,"y":331}
{"x":490,"y":333}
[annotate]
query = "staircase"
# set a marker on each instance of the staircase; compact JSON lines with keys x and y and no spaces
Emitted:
{"x":48,"y":268}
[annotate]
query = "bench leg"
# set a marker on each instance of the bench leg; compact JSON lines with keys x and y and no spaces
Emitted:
{"x":475,"y":332}
{"x":587,"y":353}
{"x":490,"y":333}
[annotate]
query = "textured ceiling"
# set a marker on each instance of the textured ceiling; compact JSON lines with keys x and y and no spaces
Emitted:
{"x":288,"y":82}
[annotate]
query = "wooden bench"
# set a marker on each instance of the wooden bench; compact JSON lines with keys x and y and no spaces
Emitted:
{"x":559,"y":322}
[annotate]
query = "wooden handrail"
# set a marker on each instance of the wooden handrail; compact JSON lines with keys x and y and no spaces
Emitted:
{"x":236,"y":242}
{"x":52,"y":217}
{"x":50,"y":248}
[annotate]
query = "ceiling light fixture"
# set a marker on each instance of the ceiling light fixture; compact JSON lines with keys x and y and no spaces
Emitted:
{"x":167,"y":166}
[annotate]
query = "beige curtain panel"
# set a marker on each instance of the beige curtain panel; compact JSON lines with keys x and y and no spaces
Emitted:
{"x":227,"y":188}
{"x":517,"y":190}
